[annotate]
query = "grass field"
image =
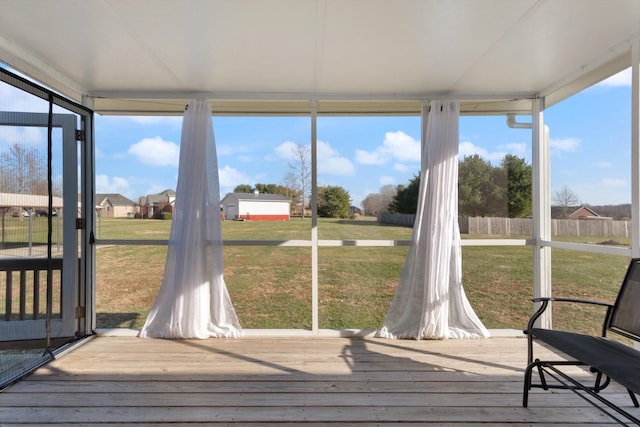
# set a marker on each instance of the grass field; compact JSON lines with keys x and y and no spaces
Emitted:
{"x":271,"y":286}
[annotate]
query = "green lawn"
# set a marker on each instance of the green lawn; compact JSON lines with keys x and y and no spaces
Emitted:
{"x":271,"y":286}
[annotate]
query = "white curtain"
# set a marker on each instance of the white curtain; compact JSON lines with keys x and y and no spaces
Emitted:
{"x":193,"y":301}
{"x":430,"y":301}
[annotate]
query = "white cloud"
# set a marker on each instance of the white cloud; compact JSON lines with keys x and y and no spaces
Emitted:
{"x":116,"y":184}
{"x":623,"y":78}
{"x":517,"y":148}
{"x":287,"y":150}
{"x":99,"y":154}
{"x":613,"y":182}
{"x":21,"y":135}
{"x":467,"y":148}
{"x":370,"y":158}
{"x":230,"y":177}
{"x":603,"y":164}
{"x":402,"y":147}
{"x":386,"y":180}
{"x":156,"y":152}
{"x":401,"y":167}
{"x":224,"y":150}
{"x":564,"y":144}
{"x":236,"y":150}
{"x":396,"y":145}
{"x":336,"y":166}
{"x":14,"y":99}
{"x":331,"y":163}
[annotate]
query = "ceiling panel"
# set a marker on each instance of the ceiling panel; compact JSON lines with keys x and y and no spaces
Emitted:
{"x":242,"y":53}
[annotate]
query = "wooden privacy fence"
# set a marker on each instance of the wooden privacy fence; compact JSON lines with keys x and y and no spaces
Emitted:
{"x":523,"y":226}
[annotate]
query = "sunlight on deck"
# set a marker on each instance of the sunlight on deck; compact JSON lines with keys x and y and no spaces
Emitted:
{"x":271,"y":381}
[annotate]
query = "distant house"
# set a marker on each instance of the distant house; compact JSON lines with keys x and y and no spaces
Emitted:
{"x":255,"y":206}
{"x":115,"y":206}
{"x":574,"y":212}
{"x":354,"y":210}
{"x":154,"y":203}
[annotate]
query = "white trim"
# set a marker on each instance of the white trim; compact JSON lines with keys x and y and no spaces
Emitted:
{"x":541,"y":209}
{"x":304,"y":333}
{"x":583,"y":247}
{"x":319,"y":243}
{"x":305,"y":96}
{"x":314,"y":220}
{"x":635,"y":149}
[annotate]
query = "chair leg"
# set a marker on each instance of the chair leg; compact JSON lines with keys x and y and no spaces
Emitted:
{"x":633,"y":398}
{"x":527,"y":384}
{"x":596,"y":386}
{"x":543,"y":379}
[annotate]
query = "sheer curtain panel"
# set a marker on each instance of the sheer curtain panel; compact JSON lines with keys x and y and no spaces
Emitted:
{"x":430,"y":301}
{"x":193,"y":301}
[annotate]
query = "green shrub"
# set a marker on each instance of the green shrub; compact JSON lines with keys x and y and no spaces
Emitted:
{"x":167,"y":216}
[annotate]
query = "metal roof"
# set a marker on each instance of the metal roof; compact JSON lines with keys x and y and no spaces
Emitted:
{"x":356,"y":56}
{"x":262,"y":197}
{"x":8,"y":200}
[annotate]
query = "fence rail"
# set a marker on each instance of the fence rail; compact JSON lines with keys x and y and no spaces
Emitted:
{"x":26,"y":299}
{"x":524,"y":226}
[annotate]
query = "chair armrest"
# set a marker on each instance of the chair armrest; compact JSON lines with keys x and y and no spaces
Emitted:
{"x":577,"y":300}
{"x":545,"y":303}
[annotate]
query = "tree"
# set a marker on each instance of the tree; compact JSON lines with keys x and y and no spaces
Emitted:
{"x":519,"y":185}
{"x":481,"y":188}
{"x":268,"y":188}
{"x":290,"y":188}
{"x":376,"y":203}
{"x":301,"y":169}
{"x":565,"y":198}
{"x":333,"y":202}
{"x":243,"y":188}
{"x":23,"y":171}
{"x":406,"y":198}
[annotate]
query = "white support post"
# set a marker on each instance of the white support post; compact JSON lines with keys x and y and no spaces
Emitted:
{"x":635,"y":149}
{"x":423,"y":140}
{"x":541,"y":209}
{"x":314,"y":219}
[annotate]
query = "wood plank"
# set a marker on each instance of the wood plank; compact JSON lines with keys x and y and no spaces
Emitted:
{"x":304,"y":414}
{"x":287,"y":399}
{"x":314,"y":382}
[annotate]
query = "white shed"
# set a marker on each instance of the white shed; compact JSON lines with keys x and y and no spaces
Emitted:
{"x":255,"y":207}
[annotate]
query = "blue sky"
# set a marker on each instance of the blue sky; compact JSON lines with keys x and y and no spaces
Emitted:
{"x":589,"y":136}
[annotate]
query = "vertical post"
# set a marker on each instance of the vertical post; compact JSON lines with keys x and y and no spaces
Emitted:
{"x":541,"y":209}
{"x":314,"y":219}
{"x":423,"y":139}
{"x":635,"y":149}
{"x":87,"y":282}
{"x":30,"y":213}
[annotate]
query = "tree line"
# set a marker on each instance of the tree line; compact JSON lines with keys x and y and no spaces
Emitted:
{"x":483,"y":190}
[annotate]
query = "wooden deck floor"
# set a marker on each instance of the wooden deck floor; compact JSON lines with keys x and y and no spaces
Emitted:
{"x":315,"y":382}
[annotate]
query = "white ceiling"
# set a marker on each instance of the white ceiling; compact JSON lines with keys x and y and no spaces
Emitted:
{"x":148,"y":56}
